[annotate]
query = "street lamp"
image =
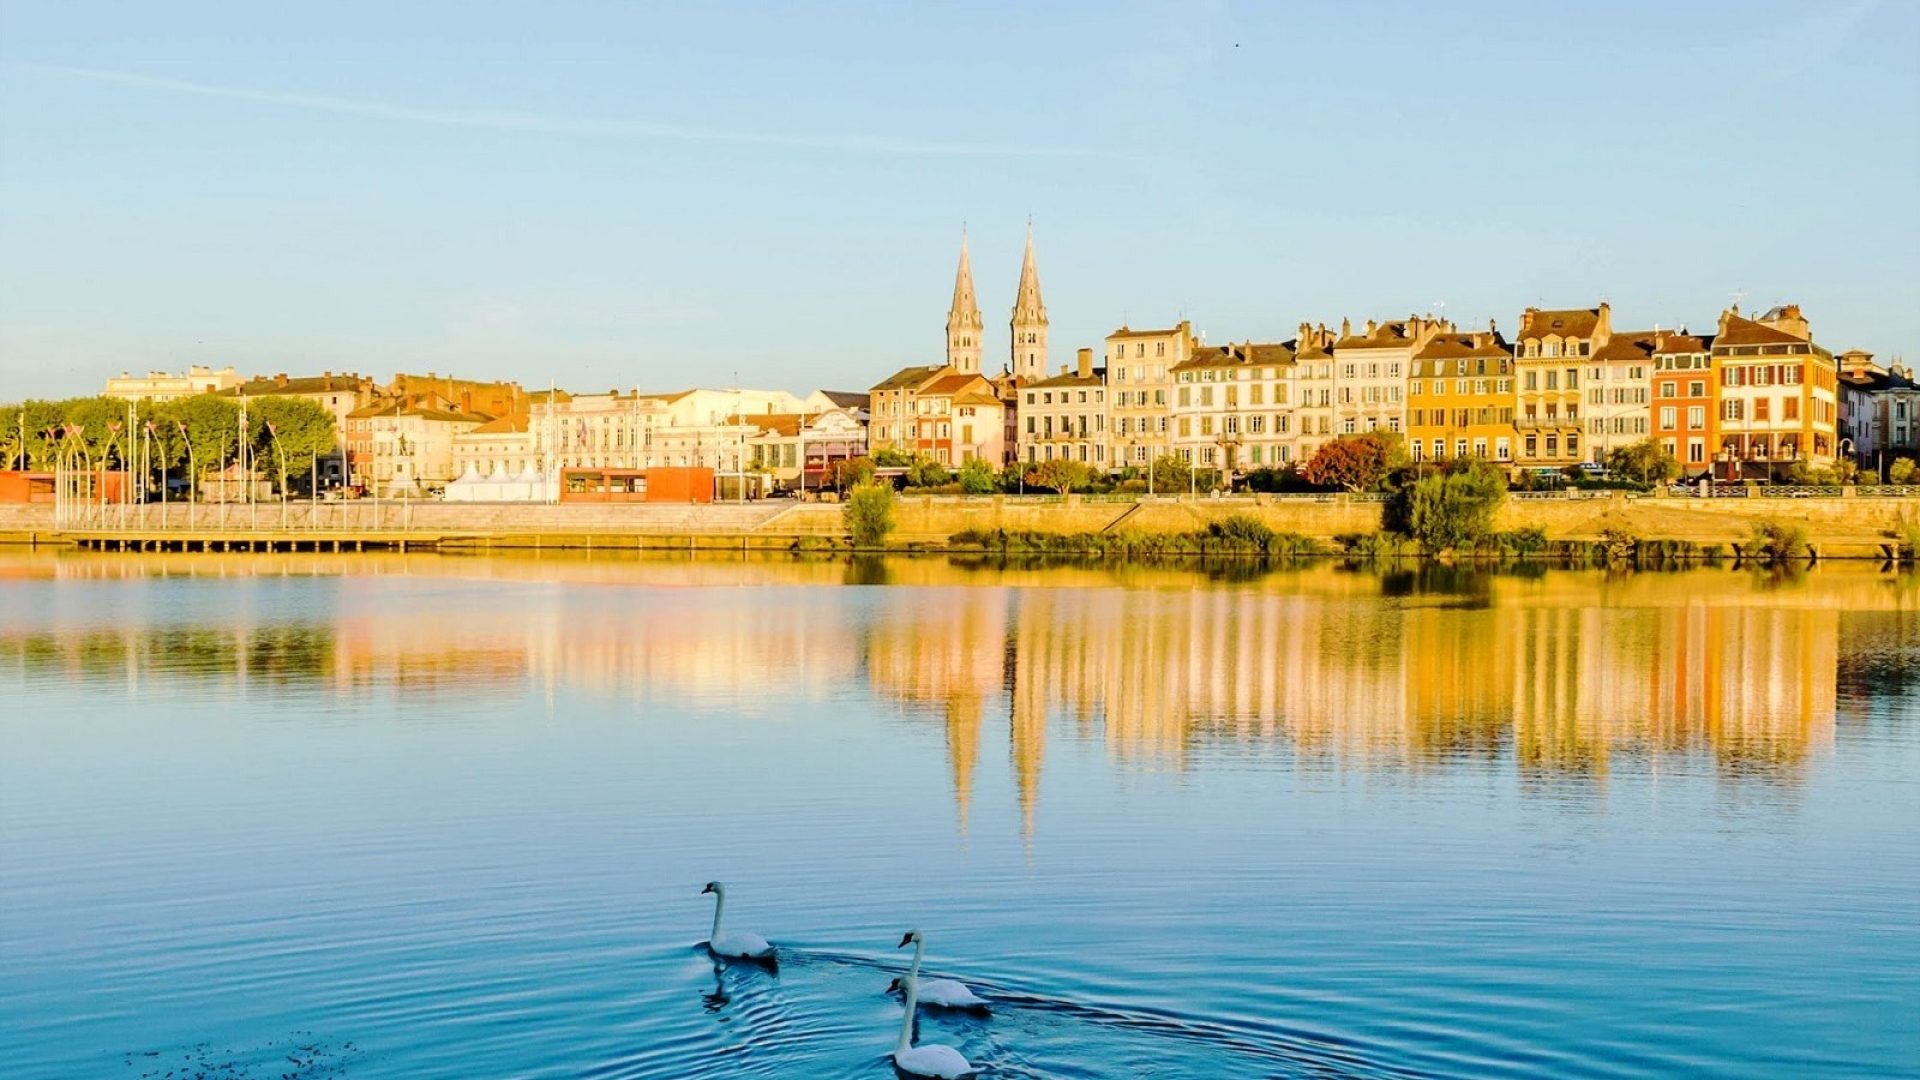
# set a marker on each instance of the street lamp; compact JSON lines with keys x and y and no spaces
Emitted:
{"x":282,"y":454}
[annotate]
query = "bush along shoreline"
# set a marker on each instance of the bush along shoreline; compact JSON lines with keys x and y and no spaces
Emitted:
{"x":1239,"y":534}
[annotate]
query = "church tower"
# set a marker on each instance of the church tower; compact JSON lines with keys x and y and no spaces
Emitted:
{"x":1029,"y":321}
{"x":963,"y":319}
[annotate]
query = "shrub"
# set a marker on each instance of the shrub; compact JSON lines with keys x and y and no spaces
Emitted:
{"x":1647,"y":461}
{"x":1777,"y":542}
{"x":1617,"y":544}
{"x":978,"y":478}
{"x":892,"y":457}
{"x":1906,"y":539}
{"x":868,"y":513}
{"x":1061,"y":475}
{"x":851,"y":472}
{"x":926,"y":473}
{"x":1516,"y":543}
{"x":1354,"y":462}
{"x":1901,"y":471}
{"x":1373,"y":545}
{"x":1448,"y":511}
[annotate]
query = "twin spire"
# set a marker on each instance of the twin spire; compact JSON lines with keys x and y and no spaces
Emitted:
{"x":1028,"y":356}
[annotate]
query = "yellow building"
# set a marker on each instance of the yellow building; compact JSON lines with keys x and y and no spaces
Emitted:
{"x":1548,"y":358}
{"x":1140,"y":367}
{"x":1064,"y":418}
{"x":1460,"y":399}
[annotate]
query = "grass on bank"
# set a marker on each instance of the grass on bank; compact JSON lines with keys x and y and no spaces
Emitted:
{"x":1239,"y":534}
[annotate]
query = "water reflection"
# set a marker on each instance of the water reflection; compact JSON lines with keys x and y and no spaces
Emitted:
{"x":1556,"y":674}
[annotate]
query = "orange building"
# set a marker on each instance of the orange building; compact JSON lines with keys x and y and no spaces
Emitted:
{"x":1460,"y":398}
{"x":1683,"y":409}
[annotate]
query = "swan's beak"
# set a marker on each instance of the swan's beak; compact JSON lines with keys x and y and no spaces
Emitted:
{"x":706,"y":890}
{"x":905,"y":941}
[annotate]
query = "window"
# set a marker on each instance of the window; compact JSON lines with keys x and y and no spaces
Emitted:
{"x":1668,"y":417}
{"x":1790,"y":409}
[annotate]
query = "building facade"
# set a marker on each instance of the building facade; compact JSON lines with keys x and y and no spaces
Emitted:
{"x":1065,"y":417}
{"x":163,"y":386}
{"x":1619,"y":389}
{"x":1232,"y":408}
{"x":1682,"y":410}
{"x":1370,"y":373}
{"x":1460,"y":398}
{"x":1549,"y":358}
{"x":1140,"y":367}
{"x":1778,"y":395}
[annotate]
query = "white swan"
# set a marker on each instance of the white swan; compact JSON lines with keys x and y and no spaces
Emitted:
{"x":736,"y":946}
{"x":929,"y":1059}
{"x":943,"y":993}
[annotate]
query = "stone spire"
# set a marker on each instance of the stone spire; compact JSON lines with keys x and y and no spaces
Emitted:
{"x":963,"y":318}
{"x":1029,"y":320}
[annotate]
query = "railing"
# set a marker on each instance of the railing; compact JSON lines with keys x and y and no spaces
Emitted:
{"x":1799,"y":491}
{"x":358,"y":516}
{"x":1888,"y":491}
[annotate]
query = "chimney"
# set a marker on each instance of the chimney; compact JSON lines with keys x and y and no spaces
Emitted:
{"x":1371,"y":326}
{"x":1346,"y":328}
{"x":466,"y":401}
{"x":280,"y":379}
{"x":1084,"y":358}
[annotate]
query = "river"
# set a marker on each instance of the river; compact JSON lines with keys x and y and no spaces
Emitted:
{"x":425,"y":816}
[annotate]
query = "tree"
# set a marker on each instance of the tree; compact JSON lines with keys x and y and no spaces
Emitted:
{"x":1901,"y":471}
{"x":304,"y":431}
{"x":926,"y":472}
{"x":868,"y":514}
{"x":1060,"y":474}
{"x":1354,"y":462}
{"x":212,"y":428}
{"x":892,"y":457}
{"x":851,"y":472}
{"x":1451,"y":510}
{"x":978,"y":478}
{"x":1647,"y":461}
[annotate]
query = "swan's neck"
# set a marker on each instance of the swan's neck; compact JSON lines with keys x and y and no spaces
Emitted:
{"x":919,"y":946}
{"x":719,"y":904}
{"x":906,"y":1026}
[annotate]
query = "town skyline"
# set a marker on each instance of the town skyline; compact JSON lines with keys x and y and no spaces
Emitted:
{"x":520,"y":203}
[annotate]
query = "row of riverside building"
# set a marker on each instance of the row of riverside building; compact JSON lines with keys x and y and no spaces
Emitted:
{"x":1752,"y":398}
{"x":1747,"y":400}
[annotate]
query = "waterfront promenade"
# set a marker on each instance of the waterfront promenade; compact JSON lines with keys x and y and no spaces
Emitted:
{"x":1853,"y":523}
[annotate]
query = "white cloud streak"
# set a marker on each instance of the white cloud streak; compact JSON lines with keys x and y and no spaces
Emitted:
{"x":535,"y":123}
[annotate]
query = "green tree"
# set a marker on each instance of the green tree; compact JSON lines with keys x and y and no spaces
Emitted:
{"x":892,"y":458}
{"x":303,"y":429}
{"x":926,"y":472}
{"x":978,"y":478}
{"x":1451,"y":510}
{"x":868,"y":514}
{"x":212,"y":426}
{"x":1355,"y":462}
{"x":1060,"y":474}
{"x":1647,"y":461}
{"x":1901,"y":471}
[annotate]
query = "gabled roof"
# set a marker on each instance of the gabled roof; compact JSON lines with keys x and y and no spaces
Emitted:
{"x":952,"y":383}
{"x":1465,"y":346}
{"x":1561,"y":322}
{"x":846,"y":399}
{"x":1128,"y":332}
{"x":1672,"y":344}
{"x":976,"y":397}
{"x":506,"y":425}
{"x":908,"y":377}
{"x":1625,"y":346}
{"x":1739,"y":330}
{"x":1385,"y":335}
{"x":771,"y":423}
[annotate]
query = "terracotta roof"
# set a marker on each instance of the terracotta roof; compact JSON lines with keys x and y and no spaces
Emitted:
{"x":951,"y":384}
{"x":1684,"y":343}
{"x":1737,"y":330}
{"x":1625,"y":346}
{"x":976,"y":397}
{"x":776,"y":423}
{"x":907,"y":377}
{"x":1566,"y":322}
{"x":506,"y":425}
{"x":1312,"y":351}
{"x":1269,"y":353}
{"x":1461,"y":346}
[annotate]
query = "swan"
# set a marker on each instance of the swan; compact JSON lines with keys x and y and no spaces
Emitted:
{"x":943,"y":993}
{"x":928,"y":1059}
{"x":736,"y":946}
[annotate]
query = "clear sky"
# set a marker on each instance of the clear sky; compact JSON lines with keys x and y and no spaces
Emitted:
{"x":609,"y":194}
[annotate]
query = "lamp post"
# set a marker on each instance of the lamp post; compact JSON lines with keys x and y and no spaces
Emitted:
{"x":282,"y":455}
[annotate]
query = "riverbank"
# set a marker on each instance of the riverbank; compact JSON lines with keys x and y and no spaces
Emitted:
{"x":1847,"y":526}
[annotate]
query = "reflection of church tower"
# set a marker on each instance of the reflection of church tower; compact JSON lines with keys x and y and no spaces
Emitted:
{"x":1029,"y":323}
{"x":963,"y":319}
{"x":963,"y":746}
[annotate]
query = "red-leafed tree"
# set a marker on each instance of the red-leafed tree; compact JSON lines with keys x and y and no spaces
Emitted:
{"x":1354,"y":462}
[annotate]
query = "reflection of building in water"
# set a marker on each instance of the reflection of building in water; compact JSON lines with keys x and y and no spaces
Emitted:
{"x":945,"y":649}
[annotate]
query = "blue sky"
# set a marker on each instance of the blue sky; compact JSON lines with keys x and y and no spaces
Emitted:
{"x":611,"y":194}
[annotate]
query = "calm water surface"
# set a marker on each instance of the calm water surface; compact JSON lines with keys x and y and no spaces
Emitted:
{"x":420,"y":817}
